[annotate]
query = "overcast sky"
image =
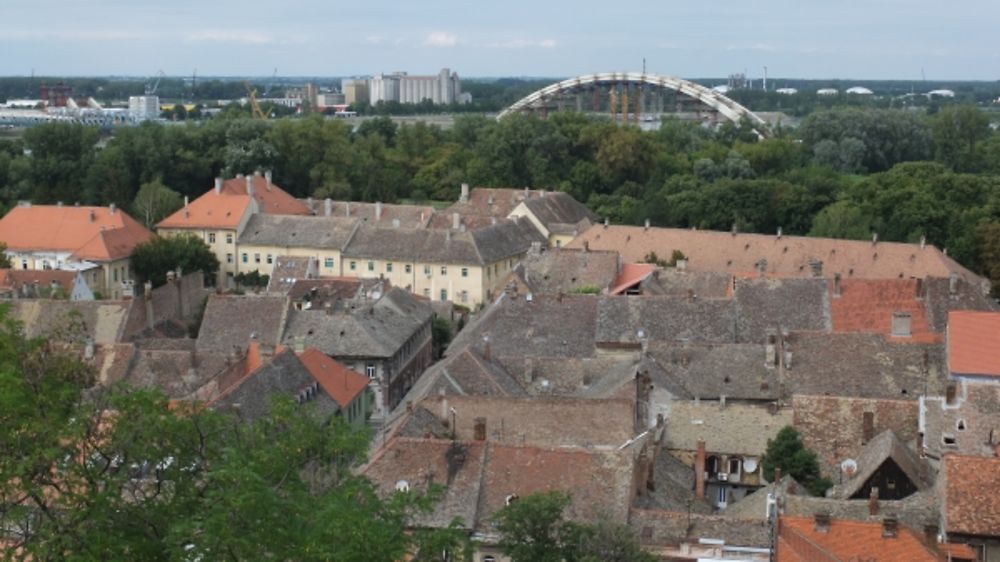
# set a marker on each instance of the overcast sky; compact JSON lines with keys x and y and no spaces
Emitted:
{"x":892,"y":39}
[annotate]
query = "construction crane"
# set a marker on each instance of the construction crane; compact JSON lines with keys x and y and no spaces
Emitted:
{"x":151,"y":88}
{"x":254,"y":106}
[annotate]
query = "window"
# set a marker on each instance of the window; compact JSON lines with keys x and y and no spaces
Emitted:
{"x":256,"y":258}
{"x":558,"y":243}
{"x":444,"y":294}
{"x":734,"y":466}
{"x":427,"y":270}
{"x":427,"y":292}
{"x":270,"y":258}
{"x":901,"y":324}
{"x":371,"y":266}
{"x":444,"y":270}
{"x":388,"y":267}
{"x":370,"y":370}
{"x":114,"y":273}
{"x":722,"y":495}
{"x":24,"y":264}
{"x":465,"y":272}
{"x":354,"y":266}
{"x":408,"y":268}
{"x":229,"y":258}
{"x":211,"y":238}
{"x":465,"y":296}
{"x":245,"y":257}
{"x":489,"y":558}
{"x":229,"y":238}
{"x":328,"y":263}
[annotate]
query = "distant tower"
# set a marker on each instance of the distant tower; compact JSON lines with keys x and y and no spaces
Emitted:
{"x":765,"y":78}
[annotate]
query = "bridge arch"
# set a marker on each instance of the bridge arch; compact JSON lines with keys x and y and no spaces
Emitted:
{"x":714,"y":100}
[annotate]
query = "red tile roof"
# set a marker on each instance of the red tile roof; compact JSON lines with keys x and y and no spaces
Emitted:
{"x":91,"y":233}
{"x":14,"y":278}
{"x":849,"y":540}
{"x":974,"y":343}
{"x":868,"y":305}
{"x":211,"y":210}
{"x":631,"y":274}
{"x":957,"y":552}
{"x":341,"y":383}
{"x":786,"y":256}
{"x":972,"y":501}
{"x":271,"y":199}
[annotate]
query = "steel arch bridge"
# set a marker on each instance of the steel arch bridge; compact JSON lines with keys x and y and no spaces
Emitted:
{"x":611,"y":91}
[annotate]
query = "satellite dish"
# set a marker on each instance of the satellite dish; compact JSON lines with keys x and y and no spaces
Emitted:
{"x":849,"y":467}
{"x":749,"y":464}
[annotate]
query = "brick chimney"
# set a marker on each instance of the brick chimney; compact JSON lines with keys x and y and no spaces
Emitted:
{"x":873,"y":502}
{"x":890,"y":526}
{"x":699,"y":471}
{"x":821,"y":522}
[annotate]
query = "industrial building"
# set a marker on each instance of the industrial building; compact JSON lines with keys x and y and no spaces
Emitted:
{"x":442,"y":88}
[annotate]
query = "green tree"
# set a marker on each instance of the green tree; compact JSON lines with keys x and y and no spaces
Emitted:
{"x":119,"y":474}
{"x":5,"y":262}
{"x":60,"y":157}
{"x":154,"y":202}
{"x":440,"y":335}
{"x":988,"y":249}
{"x":787,"y":451}
{"x":152,"y":259}
{"x":534,"y":529}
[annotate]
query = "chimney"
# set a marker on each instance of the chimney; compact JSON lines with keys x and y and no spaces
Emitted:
{"x":699,"y":471}
{"x":646,"y":225}
{"x":267,"y":179}
{"x":586,"y":246}
{"x":779,"y":233}
{"x":464,"y":198}
{"x":456,"y":221}
{"x":479,"y":433}
{"x":606,"y":222}
{"x":93,"y":217}
{"x":300,"y":344}
{"x":821,"y":522}
{"x":347,"y":208}
{"x":735,"y":229}
{"x":250,"y":180}
{"x":931,"y":534}
{"x":836,"y":285}
{"x":378,"y":210}
{"x":950,"y":393}
{"x":487,"y":352}
{"x":395,"y":223}
{"x":889,"y":526}
{"x":874,"y":238}
{"x":923,"y":242}
{"x":873,"y":502}
{"x":186,"y":201}
{"x":218,"y":186}
{"x":111,"y":208}
{"x":327,"y":207}
{"x":147,"y":293}
{"x":952,"y":284}
{"x":816,"y":266}
{"x":328,"y":307}
{"x":867,"y":427}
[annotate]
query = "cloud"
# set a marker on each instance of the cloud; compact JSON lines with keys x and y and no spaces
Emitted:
{"x":524,"y":44}
{"x":230,"y":36}
{"x":441,"y":39}
{"x":374,"y":39}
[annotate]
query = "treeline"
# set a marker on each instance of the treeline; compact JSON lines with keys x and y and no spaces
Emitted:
{"x":844,"y":172}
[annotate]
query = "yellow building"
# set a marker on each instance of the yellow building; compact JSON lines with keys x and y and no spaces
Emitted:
{"x":465,"y":267}
{"x":265,"y":237}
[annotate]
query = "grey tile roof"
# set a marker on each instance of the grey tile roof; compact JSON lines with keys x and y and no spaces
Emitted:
{"x":361,"y":329}
{"x":71,"y":321}
{"x":669,"y":528}
{"x":939,"y":300}
{"x":674,"y":491}
{"x":621,"y":318}
{"x":298,"y":231}
{"x":769,"y":305}
{"x":711,"y":370}
{"x":505,"y":240}
{"x":554,"y":271}
{"x":864,"y":366}
{"x":733,"y":429}
{"x":230,"y":321}
{"x":883,"y":447}
{"x":178,"y":373}
{"x":673,"y":282}
{"x":284,"y":375}
{"x":559,"y":207}
{"x":287,"y":270}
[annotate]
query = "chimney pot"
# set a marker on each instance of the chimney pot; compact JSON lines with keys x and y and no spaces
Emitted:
{"x":186,"y":201}
{"x":606,"y":222}
{"x":923,"y":242}
{"x":218,"y":186}
{"x":874,"y":238}
{"x":487,"y":351}
{"x":735,"y":230}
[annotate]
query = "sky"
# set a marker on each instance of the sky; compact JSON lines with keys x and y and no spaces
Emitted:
{"x":860,"y":39}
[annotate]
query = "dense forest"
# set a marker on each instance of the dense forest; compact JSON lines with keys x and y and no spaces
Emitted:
{"x":845,"y":172}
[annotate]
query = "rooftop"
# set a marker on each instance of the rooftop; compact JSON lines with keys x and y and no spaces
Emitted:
{"x":972,"y":505}
{"x":849,"y":540}
{"x":88,"y":233}
{"x":974,"y":343}
{"x":783,"y":256}
{"x":231,"y":322}
{"x":270,"y":198}
{"x":729,"y":429}
{"x":211,"y":210}
{"x":339,"y":382}
{"x":289,"y":231}
{"x":554,"y":271}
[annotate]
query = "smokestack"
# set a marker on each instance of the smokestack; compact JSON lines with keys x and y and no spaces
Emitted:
{"x":465,"y":194}
{"x":699,"y":471}
{"x":218,"y":186}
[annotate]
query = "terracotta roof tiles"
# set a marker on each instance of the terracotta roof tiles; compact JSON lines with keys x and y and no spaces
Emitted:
{"x":972,"y":504}
{"x":341,"y":383}
{"x":974,"y":343}
{"x":849,"y":540}
{"x":89,"y":233}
